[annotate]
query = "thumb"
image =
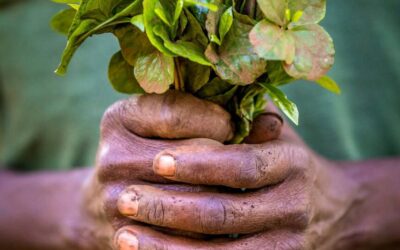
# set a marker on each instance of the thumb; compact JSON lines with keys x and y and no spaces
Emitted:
{"x":176,"y":115}
{"x":266,"y":127}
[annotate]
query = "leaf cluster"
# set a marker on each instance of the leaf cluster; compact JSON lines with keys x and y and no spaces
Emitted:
{"x":231,"y":52}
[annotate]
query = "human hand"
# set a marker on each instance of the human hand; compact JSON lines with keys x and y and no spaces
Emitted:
{"x":125,"y":157}
{"x":294,"y":199}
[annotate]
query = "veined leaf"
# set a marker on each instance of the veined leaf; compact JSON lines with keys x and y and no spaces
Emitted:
{"x":133,"y":43}
{"x":314,"y":53}
{"x":154,"y":72}
{"x":328,"y":83}
{"x":272,"y":43}
{"x":283,"y":103}
{"x":312,"y":11}
{"x":274,"y":10}
{"x":235,"y":61}
{"x":121,"y":77}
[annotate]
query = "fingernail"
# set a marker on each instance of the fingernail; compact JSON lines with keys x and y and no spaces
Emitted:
{"x":127,"y":241}
{"x":128,"y":204}
{"x":166,"y":166}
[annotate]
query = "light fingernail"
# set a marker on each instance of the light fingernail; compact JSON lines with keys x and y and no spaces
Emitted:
{"x":128,"y":204}
{"x":127,"y":241}
{"x":165,"y":166}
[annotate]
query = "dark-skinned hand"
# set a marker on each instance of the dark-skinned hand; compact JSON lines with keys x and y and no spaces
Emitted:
{"x":185,"y":191}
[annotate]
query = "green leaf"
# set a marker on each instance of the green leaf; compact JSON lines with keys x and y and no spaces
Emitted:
{"x":276,"y":74}
{"x":215,"y":39}
{"x":224,"y":98}
{"x":204,"y":4}
{"x":328,"y":83}
{"x":154,"y":72}
{"x":247,"y":105}
{"x":212,"y":20}
{"x":189,"y":50}
{"x":297,"y":15}
{"x":163,"y":14}
{"x":67,"y":1}
{"x":272,"y":43}
{"x":138,"y":22}
{"x":213,"y":88}
{"x":194,"y":75}
{"x":95,"y":14}
{"x":82,"y":28}
{"x":283,"y":103}
{"x":74,"y":6}
{"x":107,"y":6}
{"x":194,"y":32}
{"x":178,"y":10}
{"x":217,"y":91}
{"x":62,"y":21}
{"x":235,"y":61}
{"x":121,"y":77}
{"x":150,"y":21}
{"x":133,"y":43}
{"x":312,"y":11}
{"x":225,"y":23}
{"x":314,"y":53}
{"x":183,"y":21}
{"x":274,"y":10}
{"x":73,"y":44}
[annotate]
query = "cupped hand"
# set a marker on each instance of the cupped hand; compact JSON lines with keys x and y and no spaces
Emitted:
{"x":131,"y":132}
{"x":292,"y":198}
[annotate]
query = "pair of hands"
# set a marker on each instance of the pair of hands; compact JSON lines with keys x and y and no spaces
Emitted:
{"x":183,"y":191}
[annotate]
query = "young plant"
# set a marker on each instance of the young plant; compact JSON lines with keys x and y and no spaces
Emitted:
{"x":225,"y":51}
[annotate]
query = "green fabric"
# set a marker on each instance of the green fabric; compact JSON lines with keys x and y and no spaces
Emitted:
{"x":48,"y":122}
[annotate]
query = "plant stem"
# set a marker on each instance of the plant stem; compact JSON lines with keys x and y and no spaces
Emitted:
{"x":250,"y":8}
{"x":178,"y":80}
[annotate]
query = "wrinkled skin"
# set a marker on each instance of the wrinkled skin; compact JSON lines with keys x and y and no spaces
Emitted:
{"x":185,"y":193}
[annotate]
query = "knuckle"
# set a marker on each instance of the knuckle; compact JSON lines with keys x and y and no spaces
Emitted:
{"x":213,"y":216}
{"x":293,"y":242}
{"x":111,"y":116}
{"x":300,"y":213}
{"x":154,"y":211}
{"x":265,"y":165}
{"x":251,"y":167}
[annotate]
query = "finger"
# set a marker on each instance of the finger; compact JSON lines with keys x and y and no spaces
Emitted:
{"x":266,"y":127}
{"x":213,"y":213}
{"x":237,"y":166}
{"x":176,"y":115}
{"x":143,"y":238}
